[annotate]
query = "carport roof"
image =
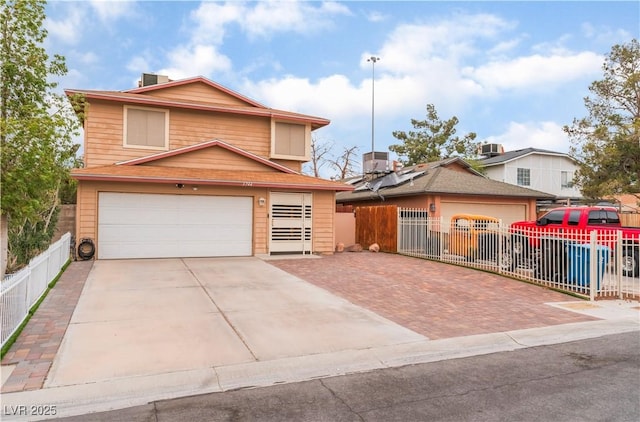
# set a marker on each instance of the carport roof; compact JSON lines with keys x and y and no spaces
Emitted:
{"x":176,"y":175}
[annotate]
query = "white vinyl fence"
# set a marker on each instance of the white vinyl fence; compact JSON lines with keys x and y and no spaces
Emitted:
{"x":596,"y":264}
{"x":21,"y":290}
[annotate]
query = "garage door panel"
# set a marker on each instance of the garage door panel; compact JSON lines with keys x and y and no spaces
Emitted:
{"x":132,"y":216}
{"x":217,"y":232}
{"x":130,"y":233}
{"x":197,"y":249}
{"x":163,"y":226}
{"x":136,"y":249}
{"x":508,"y":213}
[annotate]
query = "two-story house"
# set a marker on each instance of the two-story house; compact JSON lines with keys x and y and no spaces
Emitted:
{"x":189,"y":168}
{"x":542,"y":170}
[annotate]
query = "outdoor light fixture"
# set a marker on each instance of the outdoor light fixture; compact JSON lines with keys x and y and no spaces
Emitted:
{"x":432,"y":207}
{"x":261,"y":201}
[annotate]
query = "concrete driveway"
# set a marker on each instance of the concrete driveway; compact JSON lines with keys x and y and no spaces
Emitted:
{"x":147,"y":317}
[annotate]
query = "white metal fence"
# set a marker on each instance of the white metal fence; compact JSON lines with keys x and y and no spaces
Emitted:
{"x":595,"y":264}
{"x":21,"y":290}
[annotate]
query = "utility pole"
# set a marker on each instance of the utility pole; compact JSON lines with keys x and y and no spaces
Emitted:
{"x":373,"y":61}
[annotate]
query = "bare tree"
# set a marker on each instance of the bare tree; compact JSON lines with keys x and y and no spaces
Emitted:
{"x":345,"y":163}
{"x":319,"y":153}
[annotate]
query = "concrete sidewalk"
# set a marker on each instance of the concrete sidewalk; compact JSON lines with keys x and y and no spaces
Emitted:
{"x":191,"y":326}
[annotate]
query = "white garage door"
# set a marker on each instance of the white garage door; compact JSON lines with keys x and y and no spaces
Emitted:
{"x":132,"y":225}
{"x":508,"y":213}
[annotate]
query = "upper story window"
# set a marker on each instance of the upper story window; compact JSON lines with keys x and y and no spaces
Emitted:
{"x":524,"y":177}
{"x":566,"y":179}
{"x":146,"y":128}
{"x":290,"y":141}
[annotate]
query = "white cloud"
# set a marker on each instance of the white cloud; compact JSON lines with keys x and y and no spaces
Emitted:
{"x":195,"y":60}
{"x":69,"y":29}
{"x":606,"y":35}
{"x":112,"y":10}
{"x":273,"y":16}
{"x":504,"y":47}
{"x":535,"y":72}
{"x":138,"y":64}
{"x":263,"y":19}
{"x":211,"y":20}
{"x":543,"y":135}
{"x":432,"y":63}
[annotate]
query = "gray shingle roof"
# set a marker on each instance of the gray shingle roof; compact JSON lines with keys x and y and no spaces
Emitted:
{"x":511,"y":155}
{"x":441,"y":180}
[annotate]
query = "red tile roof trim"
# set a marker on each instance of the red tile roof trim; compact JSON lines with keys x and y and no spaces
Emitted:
{"x":118,"y":96}
{"x":174,"y":175}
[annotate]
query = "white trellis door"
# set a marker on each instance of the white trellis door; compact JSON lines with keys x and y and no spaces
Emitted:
{"x":290,"y":216}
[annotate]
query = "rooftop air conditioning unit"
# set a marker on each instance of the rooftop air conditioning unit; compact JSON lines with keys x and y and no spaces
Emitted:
{"x":153,"y":79}
{"x":491,"y":150}
{"x":375,"y":162}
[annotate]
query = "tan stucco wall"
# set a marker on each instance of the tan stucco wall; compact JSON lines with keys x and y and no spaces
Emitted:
{"x":424,"y":202}
{"x":345,"y":228}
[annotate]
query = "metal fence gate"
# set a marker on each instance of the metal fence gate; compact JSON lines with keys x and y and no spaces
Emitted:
{"x":595,"y":264}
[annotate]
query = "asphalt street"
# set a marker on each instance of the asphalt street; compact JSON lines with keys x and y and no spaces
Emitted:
{"x":589,"y":380}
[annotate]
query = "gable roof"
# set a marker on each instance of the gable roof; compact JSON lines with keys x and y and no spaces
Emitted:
{"x":438,"y":179}
{"x":512,"y":155}
{"x":209,"y":144}
{"x":187,"y":81}
{"x":138,"y":96}
{"x":134,"y":170}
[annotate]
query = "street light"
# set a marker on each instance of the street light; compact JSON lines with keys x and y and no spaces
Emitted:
{"x":373,"y":61}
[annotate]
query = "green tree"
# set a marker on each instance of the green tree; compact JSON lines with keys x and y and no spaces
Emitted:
{"x":36,"y":130}
{"x":606,"y":143}
{"x":433,"y":140}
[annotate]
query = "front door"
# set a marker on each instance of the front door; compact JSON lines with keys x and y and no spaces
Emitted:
{"x":290,"y":216}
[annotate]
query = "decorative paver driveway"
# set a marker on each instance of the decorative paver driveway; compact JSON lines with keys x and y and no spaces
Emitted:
{"x":431,"y":298}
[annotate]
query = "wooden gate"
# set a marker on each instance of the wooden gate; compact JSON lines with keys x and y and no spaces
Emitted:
{"x":379,"y":225}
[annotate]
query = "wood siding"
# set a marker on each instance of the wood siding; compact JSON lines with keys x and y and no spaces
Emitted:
{"x":104,"y":133}
{"x":423,"y":201}
{"x":198,"y":92}
{"x":323,"y":203}
{"x":214,"y":157}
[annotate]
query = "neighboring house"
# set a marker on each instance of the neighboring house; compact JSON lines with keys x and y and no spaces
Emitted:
{"x":444,"y":188}
{"x":542,"y":170}
{"x":626,"y":203}
{"x":629,"y":203}
{"x":189,"y":168}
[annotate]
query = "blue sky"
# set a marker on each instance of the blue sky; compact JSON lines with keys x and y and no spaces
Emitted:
{"x":513,"y":72}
